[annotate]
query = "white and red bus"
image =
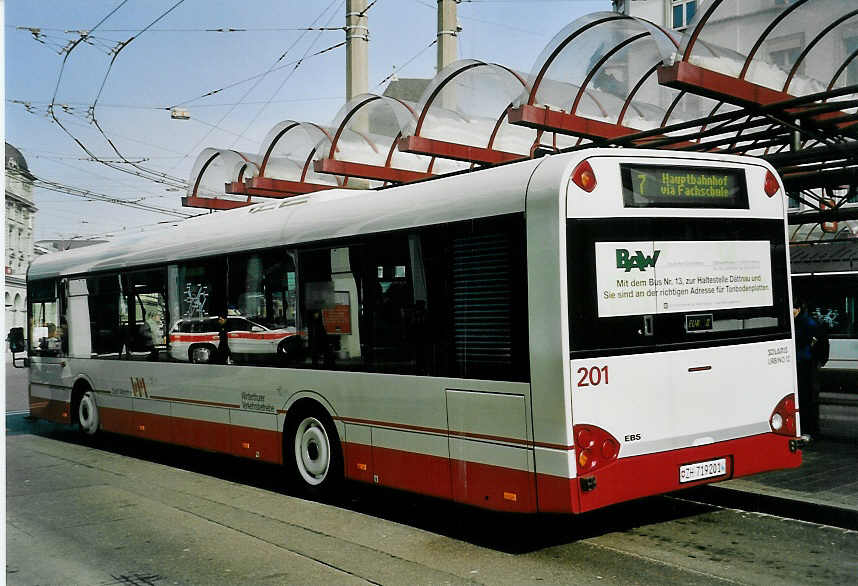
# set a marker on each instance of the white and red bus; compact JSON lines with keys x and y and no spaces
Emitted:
{"x":558,"y":334}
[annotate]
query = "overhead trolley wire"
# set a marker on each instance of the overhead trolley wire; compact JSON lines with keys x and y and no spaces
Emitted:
{"x":264,"y":73}
{"x":247,"y":79}
{"x":118,"y":49}
{"x":184,"y":30}
{"x":51,"y":109}
{"x":90,"y":195}
{"x":297,"y":65}
{"x":259,"y":79}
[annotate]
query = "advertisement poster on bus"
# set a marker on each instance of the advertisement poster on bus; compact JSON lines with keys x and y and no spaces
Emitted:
{"x":652,"y":277}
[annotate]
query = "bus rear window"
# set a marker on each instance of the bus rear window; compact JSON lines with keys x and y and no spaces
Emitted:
{"x":653,"y":284}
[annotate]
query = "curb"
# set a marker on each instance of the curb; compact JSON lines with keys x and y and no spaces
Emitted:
{"x":780,"y":506}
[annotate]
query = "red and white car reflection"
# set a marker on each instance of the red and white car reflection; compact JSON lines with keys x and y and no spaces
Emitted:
{"x":196,"y":340}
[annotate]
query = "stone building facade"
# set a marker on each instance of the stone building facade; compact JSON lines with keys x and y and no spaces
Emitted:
{"x":20,"y":213}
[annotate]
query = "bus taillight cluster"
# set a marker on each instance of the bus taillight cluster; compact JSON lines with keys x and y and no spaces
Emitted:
{"x":594,"y":448}
{"x":782,"y":420}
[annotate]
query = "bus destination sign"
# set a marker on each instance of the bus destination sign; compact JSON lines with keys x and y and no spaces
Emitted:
{"x":646,"y":186}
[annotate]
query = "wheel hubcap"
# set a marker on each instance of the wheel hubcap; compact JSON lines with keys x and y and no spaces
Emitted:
{"x":312,"y":451}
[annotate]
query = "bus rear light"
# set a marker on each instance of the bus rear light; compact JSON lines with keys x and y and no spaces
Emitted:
{"x":595,"y":448}
{"x":782,"y":420}
{"x":584,"y":177}
{"x":771,"y":185}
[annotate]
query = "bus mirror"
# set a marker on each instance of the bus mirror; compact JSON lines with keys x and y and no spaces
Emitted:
{"x":16,"y":340}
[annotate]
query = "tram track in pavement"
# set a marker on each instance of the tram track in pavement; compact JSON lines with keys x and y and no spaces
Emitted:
{"x":730,"y":498}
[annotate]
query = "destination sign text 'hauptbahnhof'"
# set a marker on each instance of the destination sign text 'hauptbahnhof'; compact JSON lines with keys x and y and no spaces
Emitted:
{"x":647,"y":186}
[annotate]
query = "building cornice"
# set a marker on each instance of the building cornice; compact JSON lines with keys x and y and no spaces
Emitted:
{"x":21,"y":200}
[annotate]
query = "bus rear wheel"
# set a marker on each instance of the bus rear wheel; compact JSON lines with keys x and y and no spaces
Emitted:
{"x":87,"y":414}
{"x":313,"y":447}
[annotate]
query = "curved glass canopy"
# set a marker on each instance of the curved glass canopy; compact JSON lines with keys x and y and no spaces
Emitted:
{"x":365,"y":143}
{"x":288,"y":151}
{"x":463,"y":115}
{"x":600,"y":73}
{"x":795,"y":47}
{"x":213,"y":171}
{"x":747,"y":76}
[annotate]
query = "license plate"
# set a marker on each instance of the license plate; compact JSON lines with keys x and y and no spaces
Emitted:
{"x":701,"y":470}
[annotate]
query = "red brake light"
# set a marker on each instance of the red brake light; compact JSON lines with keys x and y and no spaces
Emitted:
{"x":584,"y":177}
{"x":782,"y":420}
{"x":771,"y":185}
{"x":594,"y":448}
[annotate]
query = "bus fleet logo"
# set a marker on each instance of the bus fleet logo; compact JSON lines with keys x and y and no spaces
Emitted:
{"x":626,"y":261}
{"x":138,"y":388}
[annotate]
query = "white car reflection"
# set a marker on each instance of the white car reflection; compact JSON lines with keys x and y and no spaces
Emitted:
{"x":196,"y":340}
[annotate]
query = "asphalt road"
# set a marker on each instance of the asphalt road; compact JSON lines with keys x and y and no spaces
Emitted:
{"x":129,"y":512}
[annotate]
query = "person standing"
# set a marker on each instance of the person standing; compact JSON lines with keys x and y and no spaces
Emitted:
{"x":806,"y":331}
{"x":223,"y":353}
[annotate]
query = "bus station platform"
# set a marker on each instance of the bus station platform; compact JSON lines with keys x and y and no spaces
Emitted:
{"x":823,"y":489}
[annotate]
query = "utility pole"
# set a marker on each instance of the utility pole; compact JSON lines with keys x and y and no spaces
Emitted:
{"x":357,"y":68}
{"x":357,"y":43}
{"x":448,"y":30}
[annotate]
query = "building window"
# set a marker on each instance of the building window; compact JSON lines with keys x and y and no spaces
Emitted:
{"x":683,"y":13}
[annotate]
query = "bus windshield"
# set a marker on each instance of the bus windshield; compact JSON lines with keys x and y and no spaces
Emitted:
{"x":652,"y":284}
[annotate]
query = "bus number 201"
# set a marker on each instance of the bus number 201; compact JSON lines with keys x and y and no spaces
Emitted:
{"x":594,"y":376}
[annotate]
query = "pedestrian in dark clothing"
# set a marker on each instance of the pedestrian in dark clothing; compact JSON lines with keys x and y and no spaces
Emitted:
{"x":223,"y":353}
{"x":806,"y":331}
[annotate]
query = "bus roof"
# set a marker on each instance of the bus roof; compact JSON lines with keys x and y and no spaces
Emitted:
{"x":313,"y":217}
{"x":335,"y":213}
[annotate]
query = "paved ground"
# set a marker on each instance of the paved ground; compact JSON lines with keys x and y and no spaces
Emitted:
{"x":16,"y":381}
{"x":828,"y":476}
{"x":134,"y":513}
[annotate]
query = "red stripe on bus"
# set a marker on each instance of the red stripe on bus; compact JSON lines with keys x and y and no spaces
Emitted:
{"x":472,"y":483}
{"x":246,"y":442}
{"x":195,"y":402}
{"x":50,"y":409}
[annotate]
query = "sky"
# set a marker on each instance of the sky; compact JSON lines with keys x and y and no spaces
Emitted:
{"x":176,"y":52}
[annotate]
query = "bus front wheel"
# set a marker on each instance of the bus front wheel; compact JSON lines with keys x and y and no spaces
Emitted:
{"x":314,"y":450}
{"x":87,"y":413}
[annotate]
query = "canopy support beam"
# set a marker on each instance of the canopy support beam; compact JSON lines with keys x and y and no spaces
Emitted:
{"x":366,"y":171}
{"x":421,"y":145}
{"x":212,"y":203}
{"x":270,"y":187}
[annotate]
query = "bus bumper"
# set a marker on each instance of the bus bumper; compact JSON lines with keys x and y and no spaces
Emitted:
{"x":652,"y":474}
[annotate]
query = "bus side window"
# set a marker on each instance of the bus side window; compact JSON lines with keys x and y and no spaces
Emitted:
{"x":262,"y":309}
{"x":317,"y":295}
{"x":47,"y":327}
{"x":105,"y":299}
{"x":476,"y":295}
{"x":145,"y":315}
{"x":358,"y":306}
{"x":197,"y":296}
{"x":387,"y":309}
